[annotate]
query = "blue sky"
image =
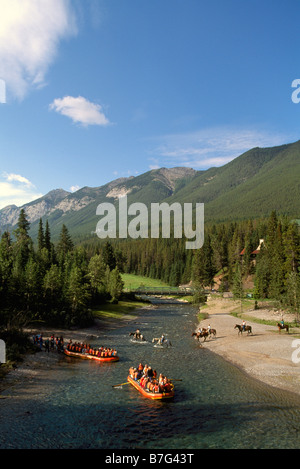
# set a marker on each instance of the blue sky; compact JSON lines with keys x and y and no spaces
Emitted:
{"x":93,"y":90}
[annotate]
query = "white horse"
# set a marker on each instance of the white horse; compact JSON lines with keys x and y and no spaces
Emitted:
{"x":166,"y":342}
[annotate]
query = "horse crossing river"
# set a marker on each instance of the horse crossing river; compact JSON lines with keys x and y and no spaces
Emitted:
{"x":74,"y":403}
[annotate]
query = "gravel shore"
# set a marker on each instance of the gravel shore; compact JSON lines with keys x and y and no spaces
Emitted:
{"x":265,"y":355}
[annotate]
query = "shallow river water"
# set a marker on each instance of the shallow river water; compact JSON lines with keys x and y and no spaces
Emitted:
{"x":216,"y":405}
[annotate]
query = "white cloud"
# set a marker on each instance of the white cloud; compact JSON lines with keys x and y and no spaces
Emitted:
{"x":80,"y":110}
{"x":212,"y":146}
{"x":74,"y":188}
{"x":17,"y":177}
{"x":16,"y":190}
{"x":30,"y":32}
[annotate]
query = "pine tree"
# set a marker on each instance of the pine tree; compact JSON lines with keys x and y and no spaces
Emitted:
{"x":96,"y":273}
{"x":276,"y":263}
{"x":108,"y":256}
{"x":262,"y":274}
{"x":203,"y":270}
{"x":47,"y":237}
{"x":32,"y":287}
{"x":291,"y":246}
{"x":116,"y":285}
{"x":77,"y":290}
{"x":238,"y":288}
{"x":65,"y":243}
{"x":23,"y":246}
{"x":293,"y":293}
{"x":41,"y":236}
{"x":6,"y":265}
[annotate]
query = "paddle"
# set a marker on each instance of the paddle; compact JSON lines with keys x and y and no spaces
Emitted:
{"x":122,"y":384}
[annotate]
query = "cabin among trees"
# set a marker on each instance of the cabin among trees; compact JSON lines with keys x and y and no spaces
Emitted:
{"x":254,"y":253}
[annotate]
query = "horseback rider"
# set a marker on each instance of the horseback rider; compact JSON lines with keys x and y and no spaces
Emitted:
{"x":162,"y":339}
{"x":244,"y":325}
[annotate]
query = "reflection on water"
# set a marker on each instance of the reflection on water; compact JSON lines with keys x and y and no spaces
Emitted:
{"x":74,"y":405}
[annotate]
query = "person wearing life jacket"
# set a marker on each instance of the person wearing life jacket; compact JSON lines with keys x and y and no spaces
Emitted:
{"x":156,"y":387}
{"x":142,"y":381}
{"x":145,"y":370}
{"x":150,"y":373}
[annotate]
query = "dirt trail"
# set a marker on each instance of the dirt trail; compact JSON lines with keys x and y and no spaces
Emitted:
{"x":266,"y":354}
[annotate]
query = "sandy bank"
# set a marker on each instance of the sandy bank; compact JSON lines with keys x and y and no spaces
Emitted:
{"x":265,"y":355}
{"x":39,"y":362}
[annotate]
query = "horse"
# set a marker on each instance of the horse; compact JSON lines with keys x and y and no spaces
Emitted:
{"x":283,"y":326}
{"x":241,"y":329}
{"x":166,"y":342}
{"x":198,"y":335}
{"x":137,"y":336}
{"x":212,"y":332}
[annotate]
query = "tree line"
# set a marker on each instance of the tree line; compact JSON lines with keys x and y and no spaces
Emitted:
{"x":275,"y":269}
{"x":58,"y":283}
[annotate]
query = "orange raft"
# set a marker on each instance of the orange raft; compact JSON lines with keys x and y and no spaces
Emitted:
{"x":87,"y":356}
{"x":151,"y":395}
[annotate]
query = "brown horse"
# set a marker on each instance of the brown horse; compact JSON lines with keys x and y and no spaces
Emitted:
{"x":137,"y":336}
{"x":241,"y":330}
{"x":283,"y":326}
{"x":198,"y":335}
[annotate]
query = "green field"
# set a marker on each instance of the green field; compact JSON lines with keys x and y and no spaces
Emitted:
{"x":132,"y":282}
{"x":121,"y":310}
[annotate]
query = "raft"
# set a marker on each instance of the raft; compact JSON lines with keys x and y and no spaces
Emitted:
{"x":91,"y":357}
{"x":150,"y":395}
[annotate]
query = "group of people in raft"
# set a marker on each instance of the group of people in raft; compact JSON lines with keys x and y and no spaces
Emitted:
{"x":147,"y":378}
{"x":79,"y":347}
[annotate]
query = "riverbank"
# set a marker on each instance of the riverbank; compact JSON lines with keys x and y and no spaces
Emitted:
{"x":41,"y":361}
{"x":265,"y":355}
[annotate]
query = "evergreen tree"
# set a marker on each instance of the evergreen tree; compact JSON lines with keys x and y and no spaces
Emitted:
{"x":77,"y":290}
{"x":96,"y":274}
{"x":32,"y":285}
{"x":23,"y":246}
{"x":65,"y":244}
{"x":108,"y":256}
{"x":238,"y":288}
{"x":47,"y":237}
{"x":262,"y":275}
{"x":293,"y":293}
{"x":291,"y":246}
{"x":116,"y":285}
{"x":203,"y":270}
{"x":6,"y":265}
{"x":41,"y":236}
{"x":276,"y":262}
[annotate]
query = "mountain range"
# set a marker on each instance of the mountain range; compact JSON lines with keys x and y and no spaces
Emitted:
{"x":250,"y":186}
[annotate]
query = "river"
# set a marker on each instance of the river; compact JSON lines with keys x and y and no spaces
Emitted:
{"x":73,"y":405}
